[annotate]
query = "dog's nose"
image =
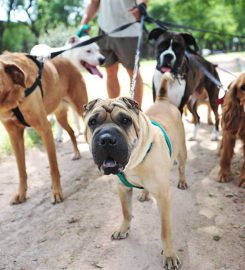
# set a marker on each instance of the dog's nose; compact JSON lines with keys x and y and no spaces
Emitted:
{"x":168,"y":57}
{"x":107,"y":139}
{"x":102,"y":61}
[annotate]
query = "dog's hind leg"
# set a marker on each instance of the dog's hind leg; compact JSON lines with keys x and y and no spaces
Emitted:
{"x":125,"y":195}
{"x":16,"y":135}
{"x":78,"y":96}
{"x":192,"y":107}
{"x":182,"y":156}
{"x":61,"y":116}
{"x":213,"y":95}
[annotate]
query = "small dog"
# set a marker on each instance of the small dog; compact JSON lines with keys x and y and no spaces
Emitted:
{"x":123,"y":140}
{"x":60,"y":80}
{"x":189,"y":81}
{"x":85,"y":58}
{"x":233,"y":127}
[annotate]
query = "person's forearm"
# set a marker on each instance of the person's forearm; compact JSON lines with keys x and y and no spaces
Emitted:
{"x":90,"y":12}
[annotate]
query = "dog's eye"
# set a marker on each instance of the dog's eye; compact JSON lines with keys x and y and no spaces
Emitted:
{"x":88,"y":51}
{"x":92,"y":122}
{"x":126,"y":121}
{"x":242,"y":87}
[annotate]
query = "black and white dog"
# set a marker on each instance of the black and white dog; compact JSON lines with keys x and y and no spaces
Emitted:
{"x":188,"y":81}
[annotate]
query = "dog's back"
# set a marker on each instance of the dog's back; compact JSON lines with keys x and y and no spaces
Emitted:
{"x":168,"y":115}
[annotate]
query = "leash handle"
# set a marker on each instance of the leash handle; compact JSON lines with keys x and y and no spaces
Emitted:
{"x":137,"y":57}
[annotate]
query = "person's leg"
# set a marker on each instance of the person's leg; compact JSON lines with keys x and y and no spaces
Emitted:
{"x":113,"y":87}
{"x":138,"y":94}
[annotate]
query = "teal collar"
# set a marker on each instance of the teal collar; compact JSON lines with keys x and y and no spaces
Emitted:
{"x":165,"y":136}
{"x":122,"y":176}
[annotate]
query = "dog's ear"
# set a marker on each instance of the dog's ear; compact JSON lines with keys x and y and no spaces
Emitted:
{"x":72,"y":40}
{"x":17,"y":75}
{"x":89,"y":106}
{"x":190,"y":41}
{"x":131,"y":104}
{"x":155,"y":33}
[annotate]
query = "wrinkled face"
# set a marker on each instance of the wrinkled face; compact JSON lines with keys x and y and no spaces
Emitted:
{"x":111,"y":129}
{"x":87,"y":57}
{"x":240,"y":89}
{"x":170,"y":52}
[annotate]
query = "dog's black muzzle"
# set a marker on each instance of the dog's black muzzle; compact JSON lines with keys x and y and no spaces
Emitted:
{"x":164,"y":64}
{"x":110,"y":150}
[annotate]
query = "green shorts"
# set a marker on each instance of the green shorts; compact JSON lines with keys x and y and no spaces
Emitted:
{"x":119,"y":49}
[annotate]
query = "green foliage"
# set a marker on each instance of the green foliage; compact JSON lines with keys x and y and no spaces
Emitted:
{"x":18,"y":37}
{"x":224,"y":16}
{"x":32,"y":138}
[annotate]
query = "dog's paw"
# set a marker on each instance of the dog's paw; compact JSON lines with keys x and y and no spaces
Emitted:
{"x":191,"y":138}
{"x":57,"y":197}
{"x":118,"y":235}
{"x":224,"y":177}
{"x":242,"y":183}
{"x":182,"y":185}
{"x":171,"y":263}
{"x":18,"y":198}
{"x":76,"y":156}
{"x":143,"y":196}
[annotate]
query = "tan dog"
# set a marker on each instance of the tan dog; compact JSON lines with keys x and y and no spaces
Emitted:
{"x":60,"y":80}
{"x":122,"y":139}
{"x":233,"y":127}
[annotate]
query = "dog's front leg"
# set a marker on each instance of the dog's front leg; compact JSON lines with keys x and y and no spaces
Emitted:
{"x":226,"y":153}
{"x":171,"y":260}
{"x":16,"y":135}
{"x":48,"y":140}
{"x":125,"y":195}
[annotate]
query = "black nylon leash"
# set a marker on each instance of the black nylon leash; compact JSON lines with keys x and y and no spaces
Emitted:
{"x":89,"y":41}
{"x":204,"y":70}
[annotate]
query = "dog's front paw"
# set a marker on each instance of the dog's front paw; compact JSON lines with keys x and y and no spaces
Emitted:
{"x":171,"y":262}
{"x":144,"y":196}
{"x":76,"y":156}
{"x":118,"y":235}
{"x":223,"y":177}
{"x":18,"y":198}
{"x":242,"y":183}
{"x":57,"y":196}
{"x":182,"y":185}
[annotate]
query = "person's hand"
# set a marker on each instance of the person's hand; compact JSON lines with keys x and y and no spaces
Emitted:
{"x":83,"y":30}
{"x":138,"y":11}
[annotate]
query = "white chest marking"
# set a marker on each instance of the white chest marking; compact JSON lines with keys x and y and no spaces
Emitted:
{"x":176,"y":89}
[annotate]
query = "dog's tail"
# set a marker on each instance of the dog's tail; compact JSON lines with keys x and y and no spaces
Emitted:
{"x":164,"y":86}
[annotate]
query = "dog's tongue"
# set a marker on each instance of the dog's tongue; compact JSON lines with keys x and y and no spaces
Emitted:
{"x":165,"y":69}
{"x":93,"y":69}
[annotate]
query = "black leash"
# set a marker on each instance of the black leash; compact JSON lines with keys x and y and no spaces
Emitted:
{"x":175,"y":25}
{"x":204,"y":70}
{"x":89,"y":41}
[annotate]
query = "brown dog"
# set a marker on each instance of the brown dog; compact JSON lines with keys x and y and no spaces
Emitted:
{"x":123,"y":141}
{"x":233,"y":127}
{"x":60,"y":80}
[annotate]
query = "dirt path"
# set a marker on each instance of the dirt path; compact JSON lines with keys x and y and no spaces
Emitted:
{"x":75,"y":234}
